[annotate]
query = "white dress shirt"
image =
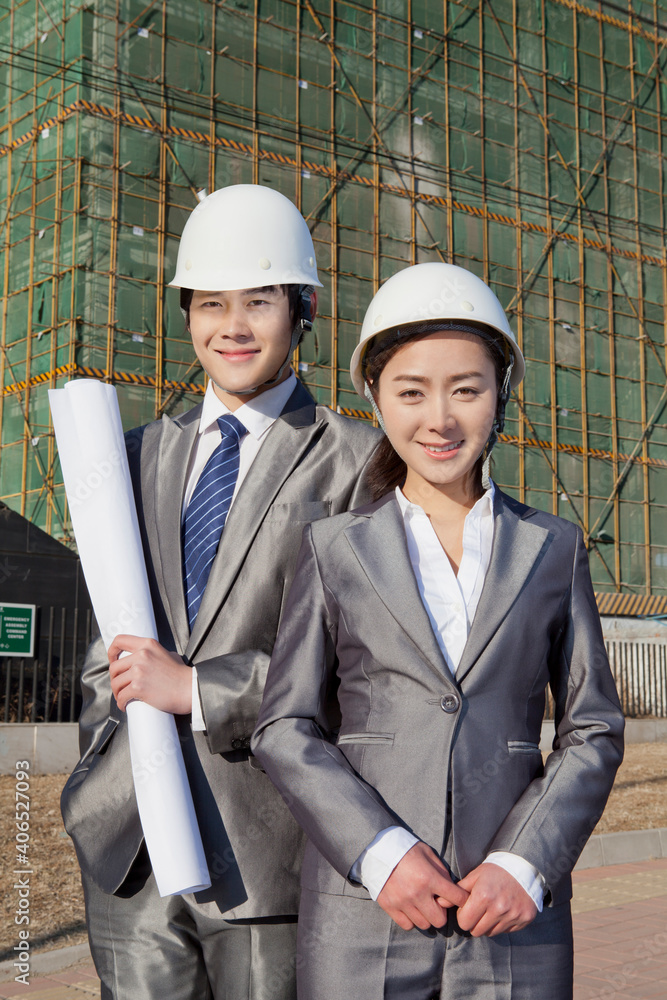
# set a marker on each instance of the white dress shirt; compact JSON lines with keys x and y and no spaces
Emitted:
{"x":450,"y":601}
{"x":257,"y":416}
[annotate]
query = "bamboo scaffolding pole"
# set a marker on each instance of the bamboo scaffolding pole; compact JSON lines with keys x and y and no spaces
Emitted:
{"x":520,"y":392}
{"x":333,"y":349}
{"x":641,"y":335}
{"x":161,"y":228}
{"x":112,"y":283}
{"x":55,"y":292}
{"x":6,"y":233}
{"x":612,"y":353}
{"x":342,"y":158}
{"x":582,"y":292}
{"x":297,"y":130}
{"x":27,"y":432}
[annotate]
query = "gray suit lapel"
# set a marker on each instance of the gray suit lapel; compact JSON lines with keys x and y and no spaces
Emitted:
{"x":378,"y":541}
{"x":287,"y":440}
{"x":517,"y":544}
{"x":176,"y":443}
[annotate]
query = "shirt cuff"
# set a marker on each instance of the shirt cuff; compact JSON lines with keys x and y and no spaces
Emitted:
{"x":526,"y":874}
{"x":197,"y":721}
{"x":374,"y":865}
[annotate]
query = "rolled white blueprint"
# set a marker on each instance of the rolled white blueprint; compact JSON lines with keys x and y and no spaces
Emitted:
{"x":91,"y":447}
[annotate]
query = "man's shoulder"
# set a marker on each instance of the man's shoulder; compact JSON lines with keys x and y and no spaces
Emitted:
{"x":150,"y":433}
{"x":328,"y":529}
{"x":139,"y":440}
{"x":354,"y":432}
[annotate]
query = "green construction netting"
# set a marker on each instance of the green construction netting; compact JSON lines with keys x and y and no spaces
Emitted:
{"x":531,"y":152}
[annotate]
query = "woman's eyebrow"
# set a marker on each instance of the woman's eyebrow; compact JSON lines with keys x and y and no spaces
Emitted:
{"x":459,"y":377}
{"x":464,"y":376}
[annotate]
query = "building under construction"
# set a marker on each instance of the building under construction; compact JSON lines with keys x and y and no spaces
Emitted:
{"x":521,"y":139}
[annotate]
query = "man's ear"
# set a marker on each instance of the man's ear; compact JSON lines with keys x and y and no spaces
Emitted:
{"x":313,"y":305}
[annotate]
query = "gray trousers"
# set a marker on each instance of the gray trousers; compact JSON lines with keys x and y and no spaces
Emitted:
{"x":148,"y":948}
{"x":350,"y":949}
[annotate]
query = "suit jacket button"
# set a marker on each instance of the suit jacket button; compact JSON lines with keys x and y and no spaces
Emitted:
{"x":237,"y":744}
{"x":450,"y":703}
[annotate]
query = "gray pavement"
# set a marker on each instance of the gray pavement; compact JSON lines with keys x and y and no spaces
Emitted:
{"x":620,"y":934}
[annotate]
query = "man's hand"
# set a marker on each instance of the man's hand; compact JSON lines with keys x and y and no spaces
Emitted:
{"x":497,"y":903}
{"x":150,"y":673}
{"x":418,"y":890}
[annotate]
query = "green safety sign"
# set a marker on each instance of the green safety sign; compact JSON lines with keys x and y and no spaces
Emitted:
{"x":17,"y":629}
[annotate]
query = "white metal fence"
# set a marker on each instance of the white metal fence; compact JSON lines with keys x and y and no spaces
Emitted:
{"x":640,"y":672}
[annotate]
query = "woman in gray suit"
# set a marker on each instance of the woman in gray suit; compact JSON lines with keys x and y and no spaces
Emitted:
{"x":402,"y":712}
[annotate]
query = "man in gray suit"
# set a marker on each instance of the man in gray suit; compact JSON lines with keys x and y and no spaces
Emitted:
{"x":259,"y":459}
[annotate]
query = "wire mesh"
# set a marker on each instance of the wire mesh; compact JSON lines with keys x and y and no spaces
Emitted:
{"x":522,"y":140}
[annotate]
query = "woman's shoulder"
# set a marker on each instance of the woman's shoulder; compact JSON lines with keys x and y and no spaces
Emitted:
{"x":525,"y":512}
{"x":327,"y":529}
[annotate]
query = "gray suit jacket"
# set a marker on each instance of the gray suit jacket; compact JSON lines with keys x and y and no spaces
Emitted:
{"x":363,"y":726}
{"x":308,"y":467}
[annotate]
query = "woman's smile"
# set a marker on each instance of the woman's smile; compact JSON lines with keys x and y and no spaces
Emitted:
{"x":442,"y":451}
{"x":438,"y":396}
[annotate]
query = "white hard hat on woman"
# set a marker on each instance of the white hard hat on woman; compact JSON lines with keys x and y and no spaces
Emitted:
{"x":437,"y":296}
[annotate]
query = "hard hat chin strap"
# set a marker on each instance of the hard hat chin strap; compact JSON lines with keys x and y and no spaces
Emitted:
{"x":371,"y":399}
{"x":498,"y":424}
{"x":304,"y":324}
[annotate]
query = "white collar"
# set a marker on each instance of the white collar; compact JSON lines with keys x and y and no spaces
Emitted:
{"x":482,"y":508}
{"x":257,"y":415}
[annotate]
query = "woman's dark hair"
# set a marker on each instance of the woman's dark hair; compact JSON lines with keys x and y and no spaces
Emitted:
{"x":387,"y":470}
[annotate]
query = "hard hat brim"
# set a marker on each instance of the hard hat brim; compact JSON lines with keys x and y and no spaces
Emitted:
{"x":357,"y":360}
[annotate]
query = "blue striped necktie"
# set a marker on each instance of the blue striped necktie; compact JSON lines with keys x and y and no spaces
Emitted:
{"x":207,"y":512}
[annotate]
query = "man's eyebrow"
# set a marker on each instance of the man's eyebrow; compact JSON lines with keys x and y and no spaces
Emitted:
{"x":264,"y":289}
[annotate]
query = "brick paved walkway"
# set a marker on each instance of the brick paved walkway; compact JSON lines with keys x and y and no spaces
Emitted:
{"x":620,"y":938}
{"x":620,"y":941}
{"x":77,"y":983}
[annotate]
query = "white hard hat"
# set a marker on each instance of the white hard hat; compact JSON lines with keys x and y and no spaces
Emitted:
{"x":426,"y":293}
{"x":245,"y":236}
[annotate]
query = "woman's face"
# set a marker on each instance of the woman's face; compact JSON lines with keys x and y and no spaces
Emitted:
{"x":437,"y":396}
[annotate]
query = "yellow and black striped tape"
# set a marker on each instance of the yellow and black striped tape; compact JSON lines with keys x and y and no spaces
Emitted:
{"x":429,"y":199}
{"x":118,"y":378}
{"x":199,"y":388}
{"x":631,"y":604}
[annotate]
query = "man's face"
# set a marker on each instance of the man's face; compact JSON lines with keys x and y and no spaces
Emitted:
{"x":241,"y":338}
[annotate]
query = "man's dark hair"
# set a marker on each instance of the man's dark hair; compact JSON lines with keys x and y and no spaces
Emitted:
{"x":291,"y":291}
